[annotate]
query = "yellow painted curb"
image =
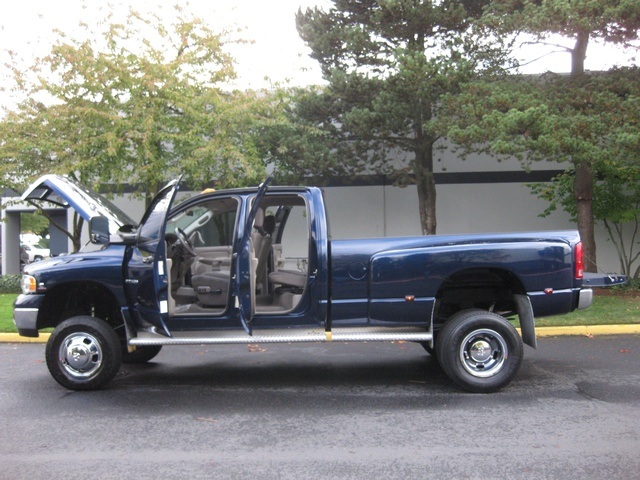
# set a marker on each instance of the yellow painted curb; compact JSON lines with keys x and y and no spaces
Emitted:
{"x":588,"y":330}
{"x":15,"y":338}
{"x":584,"y":330}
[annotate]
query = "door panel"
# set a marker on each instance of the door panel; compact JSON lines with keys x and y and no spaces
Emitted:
{"x":245,"y":264}
{"x":147,"y":276}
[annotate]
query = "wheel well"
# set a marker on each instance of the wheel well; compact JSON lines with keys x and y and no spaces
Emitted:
{"x":76,"y":298}
{"x":488,"y":289}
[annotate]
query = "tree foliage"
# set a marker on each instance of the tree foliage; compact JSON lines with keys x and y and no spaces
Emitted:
{"x":611,"y":21}
{"x":567,"y":118}
{"x":588,"y":119}
{"x":35,"y":223}
{"x":587,"y":122}
{"x":387,"y":64}
{"x":616,"y":204}
{"x":138,"y":104}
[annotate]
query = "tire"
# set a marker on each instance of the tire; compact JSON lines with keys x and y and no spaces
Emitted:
{"x":479,"y":351}
{"x":83,"y":353}
{"x":140,"y":354}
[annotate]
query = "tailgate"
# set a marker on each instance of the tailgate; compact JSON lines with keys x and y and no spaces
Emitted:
{"x":603,"y":280}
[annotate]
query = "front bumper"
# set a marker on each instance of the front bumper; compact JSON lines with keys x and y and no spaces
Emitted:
{"x":25,"y":314}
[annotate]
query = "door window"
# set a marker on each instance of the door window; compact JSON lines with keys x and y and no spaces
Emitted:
{"x":210,"y":224}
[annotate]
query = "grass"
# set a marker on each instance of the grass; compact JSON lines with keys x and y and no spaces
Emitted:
{"x":605,"y":310}
{"x":6,"y":312}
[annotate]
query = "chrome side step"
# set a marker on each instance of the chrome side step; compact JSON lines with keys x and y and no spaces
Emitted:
{"x":365,"y":334}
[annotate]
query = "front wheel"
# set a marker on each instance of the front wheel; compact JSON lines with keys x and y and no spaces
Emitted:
{"x":83,"y":353}
{"x":480,"y":351}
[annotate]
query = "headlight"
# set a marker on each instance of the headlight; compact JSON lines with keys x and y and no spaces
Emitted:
{"x":28,"y":284}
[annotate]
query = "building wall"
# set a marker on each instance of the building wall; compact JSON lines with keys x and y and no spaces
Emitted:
{"x":371,"y":211}
{"x":490,"y":199}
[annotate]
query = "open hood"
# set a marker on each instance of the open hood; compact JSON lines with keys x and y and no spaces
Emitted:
{"x":65,"y":192}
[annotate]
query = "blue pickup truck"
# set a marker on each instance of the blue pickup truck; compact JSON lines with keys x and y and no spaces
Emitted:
{"x":258,"y":265}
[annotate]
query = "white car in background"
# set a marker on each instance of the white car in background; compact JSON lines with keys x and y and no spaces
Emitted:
{"x":35,"y":252}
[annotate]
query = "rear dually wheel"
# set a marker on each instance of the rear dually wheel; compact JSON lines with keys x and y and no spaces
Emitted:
{"x":479,"y":350}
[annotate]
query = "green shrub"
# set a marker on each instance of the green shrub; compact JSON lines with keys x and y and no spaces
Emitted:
{"x":10,"y":283}
{"x":633,"y":285}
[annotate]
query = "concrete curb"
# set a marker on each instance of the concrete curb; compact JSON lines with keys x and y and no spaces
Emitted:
{"x":584,"y":331}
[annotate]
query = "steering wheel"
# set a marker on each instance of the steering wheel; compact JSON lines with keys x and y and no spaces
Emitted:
{"x":186,"y":243}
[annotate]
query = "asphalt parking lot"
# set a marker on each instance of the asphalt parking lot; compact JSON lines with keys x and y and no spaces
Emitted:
{"x":374,"y":410}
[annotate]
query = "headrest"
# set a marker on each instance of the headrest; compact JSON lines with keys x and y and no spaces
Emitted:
{"x":259,"y":220}
{"x":269,"y":224}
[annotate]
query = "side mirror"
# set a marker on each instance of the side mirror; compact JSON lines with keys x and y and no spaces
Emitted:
{"x":99,"y":230}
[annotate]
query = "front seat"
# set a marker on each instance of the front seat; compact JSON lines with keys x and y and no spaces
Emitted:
{"x":212,"y":287}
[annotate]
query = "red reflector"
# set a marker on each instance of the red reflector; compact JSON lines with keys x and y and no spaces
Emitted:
{"x":579,"y":260}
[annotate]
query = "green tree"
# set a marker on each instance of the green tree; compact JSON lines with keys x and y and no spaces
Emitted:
{"x":616,"y":204}
{"x":616,"y":164}
{"x":573,"y":112}
{"x":387,"y":64}
{"x":34,"y":222}
{"x":138,"y":104}
{"x":587,"y":123}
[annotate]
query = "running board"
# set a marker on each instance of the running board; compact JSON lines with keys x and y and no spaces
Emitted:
{"x":364,"y":334}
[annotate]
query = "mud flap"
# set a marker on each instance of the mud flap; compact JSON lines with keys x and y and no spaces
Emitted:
{"x":527,"y":322}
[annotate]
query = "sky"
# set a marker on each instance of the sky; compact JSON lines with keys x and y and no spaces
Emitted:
{"x":277,"y":52}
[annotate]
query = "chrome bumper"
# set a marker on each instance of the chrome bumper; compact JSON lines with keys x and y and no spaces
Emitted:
{"x":585,"y":298}
{"x":25,"y":320}
{"x":25,"y":314}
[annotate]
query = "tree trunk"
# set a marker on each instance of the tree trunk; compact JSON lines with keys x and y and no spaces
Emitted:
{"x":78,"y":222}
{"x":579,"y":53}
{"x":423,"y":169}
{"x":582,"y":194}
{"x":75,"y":235}
{"x":583,"y":180}
{"x":423,"y":164}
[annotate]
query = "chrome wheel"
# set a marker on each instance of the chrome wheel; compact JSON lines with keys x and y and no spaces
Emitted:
{"x":483,"y":353}
{"x":479,"y":350}
{"x":83,"y":353}
{"x":80,"y":355}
